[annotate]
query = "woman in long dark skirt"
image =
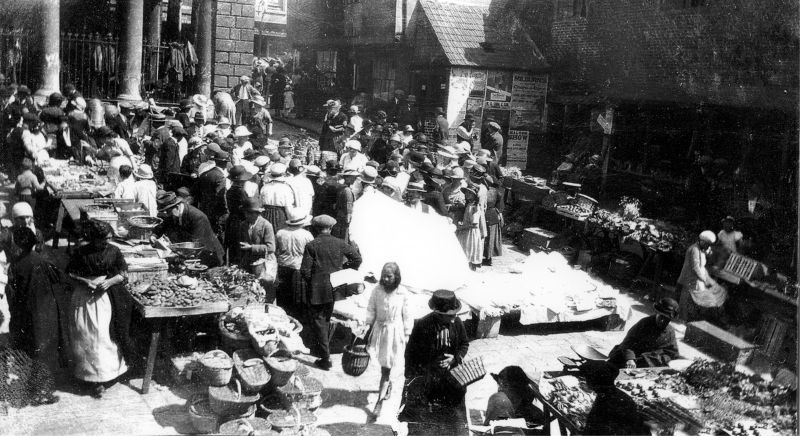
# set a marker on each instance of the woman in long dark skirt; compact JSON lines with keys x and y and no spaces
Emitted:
{"x":235,"y":197}
{"x":37,"y":304}
{"x":493,"y":246}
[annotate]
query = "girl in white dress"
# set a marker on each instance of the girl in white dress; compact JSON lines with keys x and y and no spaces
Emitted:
{"x":391,"y":322}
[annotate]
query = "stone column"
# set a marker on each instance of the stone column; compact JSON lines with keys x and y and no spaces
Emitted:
{"x":154,"y":22}
{"x":204,"y":23}
{"x":51,"y":46}
{"x":131,"y":49}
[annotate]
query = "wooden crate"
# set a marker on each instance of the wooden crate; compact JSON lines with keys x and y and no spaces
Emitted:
{"x":717,"y":342}
{"x":537,"y":238}
{"x":174,"y":312}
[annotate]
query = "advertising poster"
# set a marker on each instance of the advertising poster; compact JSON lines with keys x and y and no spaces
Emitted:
{"x":528,"y":98}
{"x":478,"y":84}
{"x":475,"y":107}
{"x":464,"y":83}
{"x":517,"y":149}
{"x":498,"y":90}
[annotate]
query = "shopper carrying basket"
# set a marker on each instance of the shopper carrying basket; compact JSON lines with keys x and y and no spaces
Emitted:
{"x":391,"y":324}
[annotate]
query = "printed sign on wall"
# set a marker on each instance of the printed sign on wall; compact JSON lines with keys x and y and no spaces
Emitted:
{"x":517,"y":148}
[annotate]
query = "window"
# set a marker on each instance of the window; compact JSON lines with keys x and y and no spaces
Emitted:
{"x":270,"y":7}
{"x":383,"y":77}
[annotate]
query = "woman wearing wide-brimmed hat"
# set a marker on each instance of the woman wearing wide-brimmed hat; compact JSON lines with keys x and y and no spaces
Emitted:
{"x":437,"y":344}
{"x":277,"y":196}
{"x":262,"y":120}
{"x":256,"y":246}
{"x":333,"y":126}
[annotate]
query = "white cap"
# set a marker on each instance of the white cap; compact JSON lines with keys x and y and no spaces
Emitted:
{"x":21,"y":209}
{"x":708,"y":236}
{"x":355,"y":145}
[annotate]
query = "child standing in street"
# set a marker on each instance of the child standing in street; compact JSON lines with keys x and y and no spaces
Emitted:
{"x":388,"y":314}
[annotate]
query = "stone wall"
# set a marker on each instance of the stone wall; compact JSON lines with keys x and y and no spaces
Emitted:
{"x":233,"y":41}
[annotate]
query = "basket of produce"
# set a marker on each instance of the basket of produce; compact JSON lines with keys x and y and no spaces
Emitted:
{"x":291,"y":419}
{"x":229,"y":400}
{"x":251,"y":369}
{"x":282,"y":366}
{"x":239,"y":285}
{"x":247,"y":427}
{"x":187,"y":249}
{"x":233,"y":329}
{"x":304,"y":392}
{"x":217,"y":368}
{"x":175,"y":296}
{"x":141,"y":227}
{"x":203,"y":419}
{"x":467,"y":373}
{"x":274,"y":402}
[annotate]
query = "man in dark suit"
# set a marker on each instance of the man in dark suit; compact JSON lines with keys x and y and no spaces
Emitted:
{"x":186,"y":223}
{"x":68,"y":142}
{"x":324,"y":255}
{"x":210,"y":190}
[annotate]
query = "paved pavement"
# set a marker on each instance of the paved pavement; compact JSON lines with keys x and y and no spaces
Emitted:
{"x":348,"y":400}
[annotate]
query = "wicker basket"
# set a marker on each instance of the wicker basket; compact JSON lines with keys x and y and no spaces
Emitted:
{"x":229,"y":400}
{"x":141,"y":226}
{"x":291,"y":419}
{"x":247,"y":426}
{"x":251,"y":369}
{"x":230,"y":339}
{"x":467,"y":373}
{"x":203,"y":419}
{"x":282,"y":367}
{"x":251,"y":412}
{"x":355,"y":359}
{"x":217,"y":368}
{"x":303,"y":392}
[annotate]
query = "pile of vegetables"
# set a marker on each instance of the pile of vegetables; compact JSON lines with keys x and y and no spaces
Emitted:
{"x":236,"y":283}
{"x":180,"y":291}
{"x":655,"y":234}
{"x":512,"y":172}
{"x":573,"y":402}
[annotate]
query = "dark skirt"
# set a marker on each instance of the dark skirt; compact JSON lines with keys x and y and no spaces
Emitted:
{"x":276,"y":215}
{"x":494,"y":242}
{"x":231,"y":238}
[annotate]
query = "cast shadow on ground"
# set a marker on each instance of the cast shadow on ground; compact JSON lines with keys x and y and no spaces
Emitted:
{"x":174,"y":416}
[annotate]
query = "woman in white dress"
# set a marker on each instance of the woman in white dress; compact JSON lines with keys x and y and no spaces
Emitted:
{"x":391,"y":322}
{"x":101,"y":312}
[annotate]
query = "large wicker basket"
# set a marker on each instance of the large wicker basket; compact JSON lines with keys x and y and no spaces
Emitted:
{"x":355,"y":359}
{"x":203,"y":419}
{"x":467,"y":373}
{"x":229,"y":400}
{"x":282,"y":366}
{"x":217,"y":368}
{"x":251,"y":369}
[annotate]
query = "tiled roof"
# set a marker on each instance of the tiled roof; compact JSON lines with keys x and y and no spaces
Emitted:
{"x":464,"y":38}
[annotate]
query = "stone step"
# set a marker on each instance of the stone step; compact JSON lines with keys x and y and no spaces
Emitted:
{"x":718,"y":343}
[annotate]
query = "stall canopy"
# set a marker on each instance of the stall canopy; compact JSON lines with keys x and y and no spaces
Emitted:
{"x":423,"y":245}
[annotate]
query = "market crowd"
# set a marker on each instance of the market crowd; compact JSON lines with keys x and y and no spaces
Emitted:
{"x":279,"y":209}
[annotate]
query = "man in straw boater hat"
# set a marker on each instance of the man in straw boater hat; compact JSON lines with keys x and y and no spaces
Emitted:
{"x":262,"y":120}
{"x":186,"y":223}
{"x":277,"y":196}
{"x":290,"y":244}
{"x":324,"y":255}
{"x":651,"y":341}
{"x":438,"y":344}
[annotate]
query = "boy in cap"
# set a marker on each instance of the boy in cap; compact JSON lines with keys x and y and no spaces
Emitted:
{"x":324,"y":255}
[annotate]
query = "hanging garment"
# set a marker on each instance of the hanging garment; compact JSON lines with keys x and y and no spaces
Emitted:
{"x":109,"y":59}
{"x":177,"y":61}
{"x":97,"y":58}
{"x":191,"y":59}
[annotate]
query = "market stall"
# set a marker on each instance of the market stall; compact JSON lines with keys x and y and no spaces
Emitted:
{"x":543,"y":289}
{"x":697,"y":397}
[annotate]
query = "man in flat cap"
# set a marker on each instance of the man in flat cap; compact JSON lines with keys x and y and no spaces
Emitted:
{"x":324,"y":255}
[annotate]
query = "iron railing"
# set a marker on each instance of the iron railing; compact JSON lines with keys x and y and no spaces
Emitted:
{"x":16,"y":58}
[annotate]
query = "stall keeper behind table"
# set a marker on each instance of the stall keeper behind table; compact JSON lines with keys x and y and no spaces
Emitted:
{"x":158,"y":319}
{"x":69,"y":208}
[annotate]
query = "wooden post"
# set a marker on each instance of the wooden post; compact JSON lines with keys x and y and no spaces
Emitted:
{"x":606,"y":158}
